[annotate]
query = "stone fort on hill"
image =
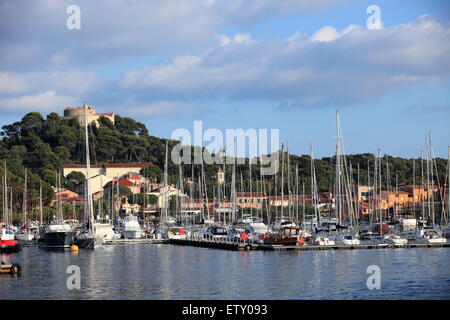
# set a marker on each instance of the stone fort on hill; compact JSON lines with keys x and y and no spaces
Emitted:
{"x":92,"y":115}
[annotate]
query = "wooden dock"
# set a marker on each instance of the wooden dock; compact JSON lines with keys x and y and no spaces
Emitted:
{"x":215,"y":244}
{"x":351,"y":247}
{"x":235,"y":245}
{"x":245,"y":246}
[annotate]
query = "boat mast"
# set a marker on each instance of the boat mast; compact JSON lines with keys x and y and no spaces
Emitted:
{"x":40,"y":204}
{"x":422,"y":200}
{"x":288,"y":180}
{"x":181,"y":193}
{"x":89,"y":207}
{"x":166,"y":203}
{"x":414,"y":188}
{"x":304,"y":203}
{"x":296,"y":194}
{"x":338,"y":210}
{"x":25,"y":192}
{"x":314,"y":187}
{"x":233,"y":191}
{"x":5,"y":199}
{"x":358,"y":213}
{"x":282,"y":181}
{"x":448,"y":185}
{"x":250,"y":182}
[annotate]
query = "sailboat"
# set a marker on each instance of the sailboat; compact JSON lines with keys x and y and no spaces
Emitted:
{"x":93,"y":232}
{"x":342,"y":193}
{"x":58,"y":234}
{"x":29,"y":231}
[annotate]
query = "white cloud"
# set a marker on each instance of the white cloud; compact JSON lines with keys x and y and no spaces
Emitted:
{"x":41,"y":102}
{"x":71,"y":82}
{"x":331,"y":67}
{"x":34,"y":35}
{"x":329,"y":33}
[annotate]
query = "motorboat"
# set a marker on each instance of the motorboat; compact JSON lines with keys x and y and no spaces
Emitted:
{"x":176,"y":233}
{"x":320,"y":240}
{"x":288,"y":235}
{"x":57,"y":235}
{"x":104,"y":229}
{"x":7,"y":242}
{"x":431,"y":236}
{"x":28,"y":233}
{"x":346,"y":239}
{"x":395,"y":240}
{"x":132,"y":228}
{"x":215,"y":232}
{"x":282,"y":222}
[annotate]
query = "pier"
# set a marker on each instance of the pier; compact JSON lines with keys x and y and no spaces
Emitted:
{"x":227,"y":244}
{"x":135,"y":241}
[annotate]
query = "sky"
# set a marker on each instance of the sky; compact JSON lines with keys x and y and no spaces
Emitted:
{"x":261,"y":64}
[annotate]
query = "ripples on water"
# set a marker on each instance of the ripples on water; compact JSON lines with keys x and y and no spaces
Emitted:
{"x":177,"y":272}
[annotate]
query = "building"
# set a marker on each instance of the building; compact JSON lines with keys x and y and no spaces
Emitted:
{"x":220,"y":176}
{"x":363,"y":192}
{"x":80,"y":114}
{"x":251,"y":199}
{"x":163,"y":192}
{"x":104,"y":174}
{"x":67,"y":197}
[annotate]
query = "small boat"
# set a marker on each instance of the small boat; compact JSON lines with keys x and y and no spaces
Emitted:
{"x":431,"y":236}
{"x":7,"y":242}
{"x":283,"y":222}
{"x":28,"y":233}
{"x":288,"y":236}
{"x":57,"y":235}
{"x":347,"y":239}
{"x":176,"y":233}
{"x":320,"y":240}
{"x":104,"y":229}
{"x":257,"y":227}
{"x":395,"y":240}
{"x":215,"y":232}
{"x":132,"y":228}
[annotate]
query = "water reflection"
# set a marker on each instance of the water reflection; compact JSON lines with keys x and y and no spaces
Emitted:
{"x":176,"y":272}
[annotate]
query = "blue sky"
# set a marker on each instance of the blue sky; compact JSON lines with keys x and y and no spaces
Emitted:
{"x":266,"y":64}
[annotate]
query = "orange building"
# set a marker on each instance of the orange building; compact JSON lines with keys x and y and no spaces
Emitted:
{"x":254,"y":200}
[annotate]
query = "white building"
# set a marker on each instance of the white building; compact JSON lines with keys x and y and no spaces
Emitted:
{"x":103,"y":174}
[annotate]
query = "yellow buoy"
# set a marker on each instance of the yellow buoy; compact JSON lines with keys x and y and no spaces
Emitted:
{"x":74,"y":248}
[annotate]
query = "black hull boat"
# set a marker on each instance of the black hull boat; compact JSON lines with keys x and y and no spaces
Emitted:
{"x":57,"y":240}
{"x":85,"y":243}
{"x":85,"y":240}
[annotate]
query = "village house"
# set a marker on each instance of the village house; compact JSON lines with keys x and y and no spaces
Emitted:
{"x":67,"y":197}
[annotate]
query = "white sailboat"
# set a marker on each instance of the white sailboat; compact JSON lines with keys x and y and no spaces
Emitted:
{"x":93,"y":233}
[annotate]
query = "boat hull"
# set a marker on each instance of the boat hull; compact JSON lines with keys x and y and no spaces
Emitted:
{"x":9,"y":246}
{"x":88,"y":242}
{"x":57,"y":240}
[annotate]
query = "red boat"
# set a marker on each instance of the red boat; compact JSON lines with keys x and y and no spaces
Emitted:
{"x":7,"y":242}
